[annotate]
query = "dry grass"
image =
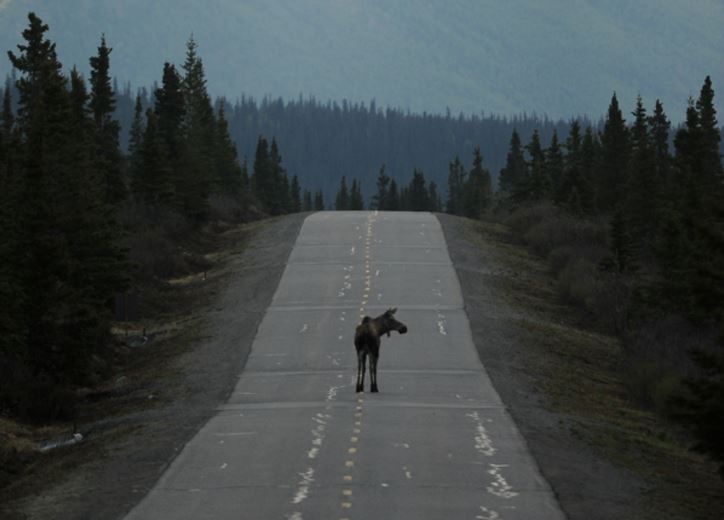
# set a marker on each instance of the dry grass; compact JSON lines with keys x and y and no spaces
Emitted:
{"x":143,"y":377}
{"x":583,"y":374}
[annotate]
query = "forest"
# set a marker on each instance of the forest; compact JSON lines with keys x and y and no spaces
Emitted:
{"x":628,"y":212}
{"x":82,"y":221}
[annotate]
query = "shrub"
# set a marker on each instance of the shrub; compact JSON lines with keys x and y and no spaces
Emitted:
{"x":656,"y":358}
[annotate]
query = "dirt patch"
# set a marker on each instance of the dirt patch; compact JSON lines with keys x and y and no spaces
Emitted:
{"x":604,"y":456}
{"x":140,"y":420}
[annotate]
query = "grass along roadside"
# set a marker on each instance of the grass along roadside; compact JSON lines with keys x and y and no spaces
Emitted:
{"x":579,"y":372}
{"x":145,"y":383}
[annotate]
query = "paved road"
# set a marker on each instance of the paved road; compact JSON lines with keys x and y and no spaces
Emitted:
{"x":294,"y":441}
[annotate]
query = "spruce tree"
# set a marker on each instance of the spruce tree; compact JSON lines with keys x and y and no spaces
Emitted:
{"x":393,"y":197}
{"x":307,"y":204}
{"x":227,"y":178}
{"x":659,"y":128}
{"x":154,"y":183}
{"x":513,"y":178}
{"x":434,"y":197}
{"x":418,"y":198}
{"x":278,"y":201}
{"x":356,"y":201}
{"x":341,"y":201}
{"x":199,"y":132}
{"x":262,"y":182}
{"x":538,"y":183}
{"x":611,"y":181}
{"x":455,"y":187}
{"x":379,"y":201}
{"x":70,"y":263}
{"x":295,"y":195}
{"x":477,"y":192}
{"x":643,"y":187}
{"x":107,"y":129}
{"x":554,"y":165}
{"x":318,"y":201}
{"x":135,"y":141}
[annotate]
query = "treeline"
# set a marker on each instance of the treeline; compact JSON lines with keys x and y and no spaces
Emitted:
{"x":634,"y":232}
{"x":80,"y":221}
{"x":326,"y":140}
{"x":469,"y":194}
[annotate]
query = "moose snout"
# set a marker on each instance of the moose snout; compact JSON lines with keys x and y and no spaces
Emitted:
{"x":403,"y":330}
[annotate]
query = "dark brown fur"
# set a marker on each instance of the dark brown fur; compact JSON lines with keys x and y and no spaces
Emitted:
{"x":367,"y":342}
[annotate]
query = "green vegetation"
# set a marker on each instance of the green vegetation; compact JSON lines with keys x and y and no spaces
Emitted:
{"x":80,"y":222}
{"x":635,"y":236}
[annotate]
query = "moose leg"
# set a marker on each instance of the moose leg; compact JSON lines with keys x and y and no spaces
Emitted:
{"x":373,"y":372}
{"x":361,"y":367}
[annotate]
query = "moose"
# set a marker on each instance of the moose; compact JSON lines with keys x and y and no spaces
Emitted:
{"x":367,"y":342}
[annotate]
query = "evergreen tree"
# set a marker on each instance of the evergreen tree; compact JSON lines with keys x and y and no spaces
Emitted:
{"x":136,"y":141}
{"x":170,"y":111}
{"x":107,"y":129}
{"x":622,"y":259}
{"x":278,"y":201}
{"x":513,"y":179}
{"x":611,"y":182}
{"x":574,"y":192}
{"x":341,"y":201}
{"x":417,"y":194}
{"x":554,"y":165}
{"x":477,"y":193}
{"x":199,"y":132}
{"x":356,"y":201}
{"x":455,"y":186}
{"x":318,"y":201}
{"x":227,"y":177}
{"x":70,"y":263}
{"x":660,"y":125}
{"x":262,"y":182}
{"x":307,"y":204}
{"x":379,"y":201}
{"x":153,"y":185}
{"x":710,"y":136}
{"x":295,"y":195}
{"x":538,"y":182}
{"x":642,"y":185}
{"x":434,"y":197}
{"x":393,"y":197}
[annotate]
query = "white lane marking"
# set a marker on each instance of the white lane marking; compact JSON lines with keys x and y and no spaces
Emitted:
{"x":352,"y":251}
{"x":377,"y":272}
{"x":408,"y":474}
{"x":483,"y":442}
{"x":379,"y":296}
{"x":488,"y":514}
{"x":304,"y":328}
{"x":385,"y":484}
{"x":234,"y":434}
{"x":296,"y":516}
{"x":401,"y":445}
{"x":313,"y":453}
{"x":500,"y":487}
{"x":303,"y":486}
{"x":223,"y":466}
{"x":340,"y":337}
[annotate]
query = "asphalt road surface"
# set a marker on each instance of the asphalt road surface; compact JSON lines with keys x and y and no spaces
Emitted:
{"x":295,"y":441}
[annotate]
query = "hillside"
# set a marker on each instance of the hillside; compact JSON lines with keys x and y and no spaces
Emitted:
{"x":557,"y":57}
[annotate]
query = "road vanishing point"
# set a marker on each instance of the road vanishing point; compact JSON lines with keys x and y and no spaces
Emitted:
{"x":294,"y":440}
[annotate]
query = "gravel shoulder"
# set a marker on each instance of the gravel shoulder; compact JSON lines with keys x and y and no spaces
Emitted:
{"x":604,"y":456}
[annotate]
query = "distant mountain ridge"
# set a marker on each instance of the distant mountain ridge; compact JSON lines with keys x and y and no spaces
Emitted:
{"x":559,"y":57}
